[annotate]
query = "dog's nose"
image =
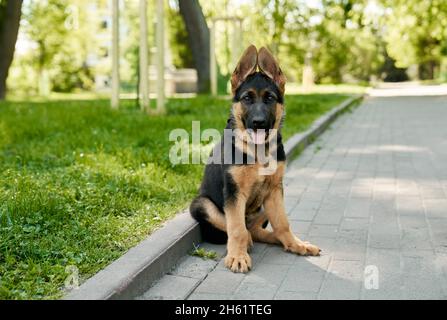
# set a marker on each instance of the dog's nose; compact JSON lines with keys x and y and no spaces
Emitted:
{"x":259,"y":123}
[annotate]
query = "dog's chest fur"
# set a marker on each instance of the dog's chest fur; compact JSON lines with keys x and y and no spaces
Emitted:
{"x":254,"y":186}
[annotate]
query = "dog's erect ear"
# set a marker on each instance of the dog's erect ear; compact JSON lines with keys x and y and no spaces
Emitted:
{"x":245,"y":67}
{"x":269,"y":66}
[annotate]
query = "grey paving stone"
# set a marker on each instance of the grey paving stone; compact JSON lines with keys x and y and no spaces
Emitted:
{"x":255,"y":291}
{"x":194,"y":267}
{"x":300,"y":227}
{"x":322,"y":261}
{"x":276,"y":255}
{"x":290,"y":203}
{"x":328,"y":217}
{"x":351,"y":245}
{"x":416,"y":239}
{"x":438,"y":227}
{"x":358,"y":208}
{"x":171,"y":287}
{"x":337,"y":289}
{"x":327,"y":245}
{"x":209,"y":296}
{"x":313,"y":196}
{"x":262,"y":282}
{"x":432,"y":192}
{"x":272,"y":274}
{"x":354,"y":224}
{"x":308,"y":205}
{"x":361,"y":192}
{"x":294,"y":295}
{"x":422,"y":277}
{"x":413,"y":222}
{"x":409,"y":205}
{"x":441,"y":263}
{"x":220,"y":282}
{"x":307,"y":277}
{"x":384,"y":241}
{"x":258,"y":248}
{"x":323,"y":230}
{"x":436,"y":208}
{"x":346,"y":270}
{"x":333,"y":202}
{"x":303,"y":214}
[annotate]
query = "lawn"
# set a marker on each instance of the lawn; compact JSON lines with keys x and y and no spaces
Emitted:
{"x":80,"y":183}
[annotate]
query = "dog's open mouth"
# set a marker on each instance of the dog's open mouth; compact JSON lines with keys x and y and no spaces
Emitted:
{"x":258,"y":136}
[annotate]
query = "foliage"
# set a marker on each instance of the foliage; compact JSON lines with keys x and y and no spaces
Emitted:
{"x":64,"y":38}
{"x":80,"y":183}
{"x":417,"y":33}
{"x":343,"y":40}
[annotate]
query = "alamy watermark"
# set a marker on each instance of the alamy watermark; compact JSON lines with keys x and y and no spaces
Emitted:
{"x":238,"y":147}
{"x":72,"y":281}
{"x":371,"y":277}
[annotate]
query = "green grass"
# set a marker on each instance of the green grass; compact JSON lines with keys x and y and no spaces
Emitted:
{"x":204,"y":254}
{"x":80,"y":183}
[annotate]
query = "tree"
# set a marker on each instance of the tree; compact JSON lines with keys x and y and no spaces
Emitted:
{"x":178,"y":38}
{"x":417,"y":33}
{"x":199,"y":40}
{"x":10,"y":12}
{"x":64,"y":35}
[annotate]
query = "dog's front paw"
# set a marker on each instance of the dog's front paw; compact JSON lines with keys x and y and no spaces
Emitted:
{"x":311,"y":249}
{"x":240,"y":262}
{"x":303,"y":248}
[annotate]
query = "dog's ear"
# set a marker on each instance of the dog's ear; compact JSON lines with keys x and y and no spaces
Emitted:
{"x":269,"y":66}
{"x":246,"y":66}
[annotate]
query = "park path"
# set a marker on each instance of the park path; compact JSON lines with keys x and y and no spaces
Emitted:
{"x":372,"y":193}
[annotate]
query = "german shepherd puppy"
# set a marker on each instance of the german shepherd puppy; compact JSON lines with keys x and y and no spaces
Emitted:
{"x":238,"y":200}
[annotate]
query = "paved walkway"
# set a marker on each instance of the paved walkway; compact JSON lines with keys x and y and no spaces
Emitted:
{"x":372,"y":193}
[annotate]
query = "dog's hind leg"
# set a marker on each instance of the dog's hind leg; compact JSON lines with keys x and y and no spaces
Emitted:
{"x":211,"y":219}
{"x":258,"y":231}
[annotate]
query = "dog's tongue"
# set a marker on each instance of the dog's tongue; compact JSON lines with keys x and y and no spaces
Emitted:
{"x":258,"y":136}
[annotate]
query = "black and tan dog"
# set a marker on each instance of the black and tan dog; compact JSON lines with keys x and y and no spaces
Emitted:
{"x":237,"y":201}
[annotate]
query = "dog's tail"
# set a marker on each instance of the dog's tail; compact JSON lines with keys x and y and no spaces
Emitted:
{"x":211,"y":220}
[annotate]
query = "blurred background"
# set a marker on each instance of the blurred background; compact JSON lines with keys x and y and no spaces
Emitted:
{"x":64,"y":46}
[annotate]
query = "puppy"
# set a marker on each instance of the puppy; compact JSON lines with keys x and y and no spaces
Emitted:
{"x":241,"y":192}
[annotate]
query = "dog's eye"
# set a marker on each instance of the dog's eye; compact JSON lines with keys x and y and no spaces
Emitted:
{"x":269,"y":98}
{"x":247,"y":99}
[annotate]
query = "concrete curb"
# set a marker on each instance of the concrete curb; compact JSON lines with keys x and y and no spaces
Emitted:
{"x":132,"y":274}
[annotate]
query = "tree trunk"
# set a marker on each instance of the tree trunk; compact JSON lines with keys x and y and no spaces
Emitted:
{"x":9,"y":29}
{"x":199,"y":40}
{"x":426,"y":70}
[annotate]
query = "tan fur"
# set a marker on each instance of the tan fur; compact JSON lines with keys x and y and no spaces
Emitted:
{"x":215,"y":217}
{"x":246,"y":66}
{"x":268,"y":65}
{"x":279,"y":112}
{"x":239,"y":238}
{"x":258,"y":233}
